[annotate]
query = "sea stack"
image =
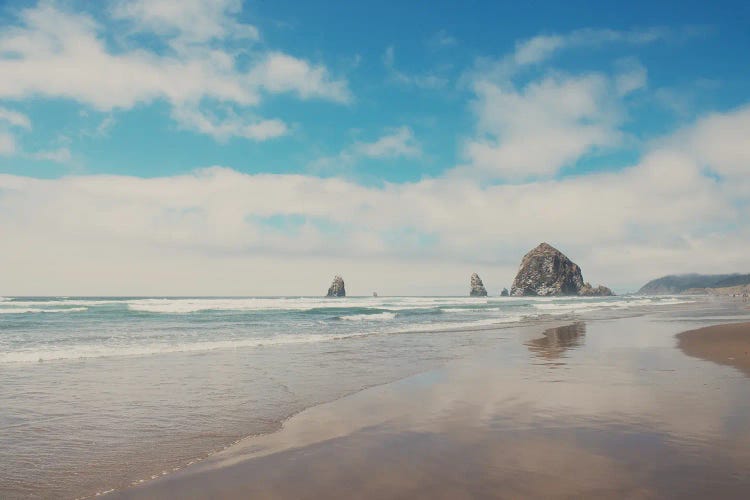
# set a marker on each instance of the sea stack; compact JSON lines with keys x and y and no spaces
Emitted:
{"x":337,"y":287}
{"x":504,"y":293}
{"x":545,"y":271}
{"x":477,"y":287}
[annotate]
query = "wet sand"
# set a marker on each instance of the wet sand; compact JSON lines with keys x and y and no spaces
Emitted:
{"x":597,"y":409}
{"x":723,"y":344}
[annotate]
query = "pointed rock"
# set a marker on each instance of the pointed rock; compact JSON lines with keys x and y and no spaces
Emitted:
{"x":477,"y":287}
{"x":337,"y":287}
{"x":504,"y":293}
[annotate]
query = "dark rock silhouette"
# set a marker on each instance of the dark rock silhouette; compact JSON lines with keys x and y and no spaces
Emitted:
{"x":337,"y":288}
{"x":546,"y":271}
{"x":477,"y":287}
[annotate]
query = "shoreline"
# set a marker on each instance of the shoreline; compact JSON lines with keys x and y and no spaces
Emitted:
{"x":544,"y":323}
{"x":317,"y":430}
{"x":293,"y":392}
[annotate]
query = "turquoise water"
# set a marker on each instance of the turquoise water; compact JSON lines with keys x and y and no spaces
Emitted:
{"x":68,"y":328}
{"x":101,"y":392}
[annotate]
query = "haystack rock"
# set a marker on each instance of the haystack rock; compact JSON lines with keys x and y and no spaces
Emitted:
{"x":477,"y":287}
{"x":545,"y":271}
{"x":337,"y":288}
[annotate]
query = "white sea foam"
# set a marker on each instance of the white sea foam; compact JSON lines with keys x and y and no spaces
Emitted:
{"x":589,"y":305}
{"x":384,"y":316}
{"x":447,"y":326}
{"x":181,"y":306}
{"x":470,"y":309}
{"x":85,"y":351}
{"x":26,"y":310}
{"x":58,"y":302}
{"x":191,"y":305}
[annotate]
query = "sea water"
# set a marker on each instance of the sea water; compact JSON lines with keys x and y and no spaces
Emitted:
{"x":101,"y":392}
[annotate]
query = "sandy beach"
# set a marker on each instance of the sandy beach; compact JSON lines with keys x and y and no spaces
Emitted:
{"x":724,"y":344}
{"x":583,"y":409}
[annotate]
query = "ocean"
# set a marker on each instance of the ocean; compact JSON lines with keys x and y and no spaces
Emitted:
{"x":104,"y":392}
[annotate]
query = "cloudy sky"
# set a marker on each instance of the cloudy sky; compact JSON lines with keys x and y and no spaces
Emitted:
{"x":218,"y":147}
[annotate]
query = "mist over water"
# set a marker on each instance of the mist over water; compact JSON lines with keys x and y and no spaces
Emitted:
{"x":102,"y":392}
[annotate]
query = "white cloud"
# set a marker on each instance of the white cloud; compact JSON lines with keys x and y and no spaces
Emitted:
{"x":105,"y":125}
{"x":664,"y":214}
{"x":11,"y":119}
{"x":536,"y":130}
{"x":541,"y":47}
{"x":58,"y":54}
{"x":59,"y":155}
{"x":442,"y":39}
{"x":399,"y":143}
{"x":428,"y":80}
{"x":192,"y":118}
{"x":14,"y":118}
{"x":279,"y":72}
{"x":189,"y":21}
{"x":631,"y":76}
{"x":719,"y":142}
{"x":395,"y":143}
{"x":8,"y":146}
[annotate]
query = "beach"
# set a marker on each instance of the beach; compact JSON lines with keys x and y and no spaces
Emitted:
{"x":406,"y":397}
{"x":304,"y":249}
{"x":723,"y":344}
{"x":584,"y":409}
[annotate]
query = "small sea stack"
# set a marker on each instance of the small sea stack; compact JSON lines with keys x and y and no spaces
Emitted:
{"x":337,"y":287}
{"x":477,"y":287}
{"x":545,"y":271}
{"x":504,"y":293}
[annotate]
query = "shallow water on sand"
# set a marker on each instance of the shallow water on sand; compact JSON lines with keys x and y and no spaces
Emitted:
{"x":594,"y":409}
{"x":77,"y":426}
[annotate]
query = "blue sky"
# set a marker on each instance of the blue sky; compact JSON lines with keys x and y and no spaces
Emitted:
{"x":445,"y":135}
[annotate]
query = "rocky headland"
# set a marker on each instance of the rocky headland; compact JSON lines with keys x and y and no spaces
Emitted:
{"x":545,"y":271}
{"x":692,"y":284}
{"x":477,"y":287}
{"x":337,"y":288}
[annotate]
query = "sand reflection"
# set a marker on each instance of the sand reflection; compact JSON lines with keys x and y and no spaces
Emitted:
{"x":556,"y":341}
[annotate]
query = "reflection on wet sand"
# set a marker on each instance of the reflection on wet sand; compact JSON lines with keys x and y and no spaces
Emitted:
{"x":629,"y":418}
{"x":557,"y":340}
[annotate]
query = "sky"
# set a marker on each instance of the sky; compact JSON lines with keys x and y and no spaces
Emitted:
{"x":196,"y":147}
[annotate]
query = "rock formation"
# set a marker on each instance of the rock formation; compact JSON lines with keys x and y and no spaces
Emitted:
{"x":545,"y":271}
{"x":337,"y":287}
{"x":477,"y":287}
{"x":588,"y":291}
{"x":504,"y":293}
